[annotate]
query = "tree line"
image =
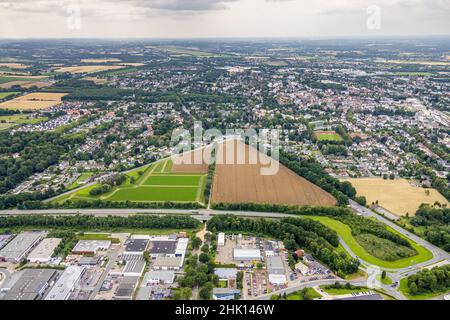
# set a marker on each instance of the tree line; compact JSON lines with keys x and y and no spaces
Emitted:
{"x":357,"y":224}
{"x":426,"y":281}
{"x":86,"y":222}
{"x":302,"y":234}
{"x":436,"y":224}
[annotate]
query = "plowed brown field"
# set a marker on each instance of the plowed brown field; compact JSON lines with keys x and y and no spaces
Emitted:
{"x":244,"y":183}
{"x":187,"y":163}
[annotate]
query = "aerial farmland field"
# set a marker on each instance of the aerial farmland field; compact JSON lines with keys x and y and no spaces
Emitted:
{"x":243,"y":183}
{"x":152,"y":183}
{"x":88,"y":69}
{"x":397,"y":196}
{"x":33,"y":101}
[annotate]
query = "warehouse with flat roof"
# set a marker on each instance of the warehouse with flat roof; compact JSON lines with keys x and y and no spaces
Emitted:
{"x":20,"y":246}
{"x":31,"y":285}
{"x":134,"y":267}
{"x":155,"y":277}
{"x":91,"y":246}
{"x":44,"y":251}
{"x":163,"y":248}
{"x":66,"y":283}
{"x":167,"y":263}
{"x":136,"y":246}
{"x":246,"y":254}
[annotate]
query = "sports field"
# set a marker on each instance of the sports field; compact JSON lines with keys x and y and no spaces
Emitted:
{"x":327,"y":136}
{"x":153,"y":183}
{"x":397,"y":196}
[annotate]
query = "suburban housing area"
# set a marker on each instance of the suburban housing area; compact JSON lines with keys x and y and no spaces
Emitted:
{"x":348,"y":201}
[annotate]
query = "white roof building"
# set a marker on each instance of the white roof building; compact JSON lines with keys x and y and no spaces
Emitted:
{"x":221,"y":239}
{"x":159,"y":276}
{"x":181,"y":248}
{"x":66,"y":283}
{"x":302,"y":268}
{"x":20,"y":246}
{"x":91,"y":246}
{"x":277,"y":279}
{"x":246,"y":254}
{"x":44,"y":251}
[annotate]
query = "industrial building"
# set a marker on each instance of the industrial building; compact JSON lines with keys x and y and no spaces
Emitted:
{"x":66,"y":283}
{"x":246,"y":254}
{"x":181,"y":248}
{"x":91,"y":246}
{"x":225,"y":294}
{"x":44,"y":251}
{"x":163,"y":248}
{"x":221,"y":239}
{"x":31,"y":285}
{"x":88,"y":261}
{"x":126,"y":288}
{"x":4,"y":238}
{"x":226,"y":273}
{"x":156,"y":277}
{"x":167,"y":263}
{"x":134,"y":265}
{"x":19,"y":247}
{"x":276,"y":271}
{"x":302,"y":268}
{"x":136,"y":246}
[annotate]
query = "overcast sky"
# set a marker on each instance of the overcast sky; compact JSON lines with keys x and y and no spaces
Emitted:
{"x":222,"y":18}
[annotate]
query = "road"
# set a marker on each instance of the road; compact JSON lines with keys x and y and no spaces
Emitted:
{"x":4,"y":276}
{"x":205,"y":214}
{"x":438,"y":253}
{"x":111,"y":261}
{"x":308,"y":284}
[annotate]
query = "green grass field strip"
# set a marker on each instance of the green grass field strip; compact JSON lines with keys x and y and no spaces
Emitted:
{"x":201,"y":190}
{"x":405,"y":290}
{"x":81,"y":178}
{"x":168,"y":166}
{"x":161,"y":180}
{"x":297,"y":296}
{"x":386,"y":281}
{"x":342,"y":291}
{"x":345,"y":233}
{"x":7,"y":94}
{"x":6,"y":79}
{"x":156,"y":194}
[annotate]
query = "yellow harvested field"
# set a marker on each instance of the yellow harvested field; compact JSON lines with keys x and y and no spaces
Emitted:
{"x":397,"y":196}
{"x":132,"y":64}
{"x":104,"y":60}
{"x":14,"y":65}
{"x":88,"y":69}
{"x":239,"y":179}
{"x":34,"y":101}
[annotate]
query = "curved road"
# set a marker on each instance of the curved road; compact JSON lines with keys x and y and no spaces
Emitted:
{"x":205,"y":214}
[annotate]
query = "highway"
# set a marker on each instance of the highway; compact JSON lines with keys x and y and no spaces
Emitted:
{"x":396,"y":275}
